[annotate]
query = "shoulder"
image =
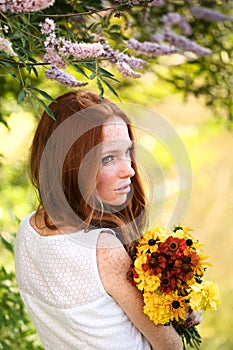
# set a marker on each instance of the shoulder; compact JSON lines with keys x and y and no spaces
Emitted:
{"x":113,"y":261}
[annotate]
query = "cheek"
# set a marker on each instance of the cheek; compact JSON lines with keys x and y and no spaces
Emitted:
{"x":105,"y":180}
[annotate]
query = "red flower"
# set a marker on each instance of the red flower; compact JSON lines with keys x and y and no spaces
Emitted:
{"x":168,"y":283}
{"x":131,"y":274}
{"x":155,"y":262}
{"x":173,"y":246}
{"x":185,"y":267}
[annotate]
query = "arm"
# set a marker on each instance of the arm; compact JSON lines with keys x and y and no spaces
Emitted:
{"x":113,"y":263}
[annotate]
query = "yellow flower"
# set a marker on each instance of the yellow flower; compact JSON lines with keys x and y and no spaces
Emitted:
{"x":204,"y":296}
{"x":146,"y":280}
{"x":200,"y":266}
{"x":163,"y":308}
{"x":149,"y":241}
{"x":184,"y":232}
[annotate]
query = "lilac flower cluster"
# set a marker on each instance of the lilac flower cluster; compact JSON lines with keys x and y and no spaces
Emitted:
{"x":157,"y":3}
{"x":208,"y":14}
{"x":66,"y":79}
{"x":185,"y":44}
{"x":124,"y":63}
{"x":185,"y":26}
{"x":54,"y":59}
{"x":65,"y":48}
{"x":79,"y":50}
{"x":48,"y":26}
{"x":171,"y":18}
{"x":6,"y":46}
{"x":15,"y":6}
{"x":157,"y":37}
{"x":133,"y":62}
{"x":149,"y":48}
{"x":59,"y":48}
{"x":175,"y":18}
{"x":126,"y":71}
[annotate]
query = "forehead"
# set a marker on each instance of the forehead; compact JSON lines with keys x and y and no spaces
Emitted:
{"x":115,"y":129}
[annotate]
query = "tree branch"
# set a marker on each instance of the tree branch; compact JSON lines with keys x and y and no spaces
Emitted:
{"x":83,"y":13}
{"x":20,"y":64}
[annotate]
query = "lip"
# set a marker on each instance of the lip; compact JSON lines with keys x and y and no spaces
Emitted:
{"x":123,"y":189}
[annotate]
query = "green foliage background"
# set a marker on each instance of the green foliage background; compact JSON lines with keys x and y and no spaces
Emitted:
{"x":208,"y":143}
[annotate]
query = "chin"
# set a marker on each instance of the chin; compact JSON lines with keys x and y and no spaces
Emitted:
{"x":116,"y":203}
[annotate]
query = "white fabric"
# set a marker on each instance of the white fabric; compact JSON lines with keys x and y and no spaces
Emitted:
{"x":59,"y":282}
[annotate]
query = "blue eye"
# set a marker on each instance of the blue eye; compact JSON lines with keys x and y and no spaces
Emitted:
{"x":107,"y":159}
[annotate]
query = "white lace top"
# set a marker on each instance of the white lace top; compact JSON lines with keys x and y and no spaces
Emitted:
{"x":59,"y":282}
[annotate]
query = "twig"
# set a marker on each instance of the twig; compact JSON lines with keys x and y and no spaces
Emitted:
{"x":83,"y":13}
{"x":20,"y":64}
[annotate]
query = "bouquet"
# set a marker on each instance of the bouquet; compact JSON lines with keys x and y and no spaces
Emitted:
{"x":168,"y":267}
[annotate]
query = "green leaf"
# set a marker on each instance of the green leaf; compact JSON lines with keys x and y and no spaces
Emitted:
{"x":90,"y":65}
{"x":105,"y":72}
{"x":111,"y":88}
{"x":101,"y":89}
{"x":92,"y":76}
{"x":4,"y":64}
{"x":21,"y":96}
{"x":115,"y":27}
{"x":80,"y":70}
{"x":47,"y":109}
{"x":3,"y":121}
{"x":7,"y":245}
{"x":43,"y":93}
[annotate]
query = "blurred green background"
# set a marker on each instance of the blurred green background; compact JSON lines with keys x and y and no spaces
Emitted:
{"x":209,"y":144}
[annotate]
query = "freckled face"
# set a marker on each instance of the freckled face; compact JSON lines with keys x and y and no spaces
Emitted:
{"x":113,"y":180}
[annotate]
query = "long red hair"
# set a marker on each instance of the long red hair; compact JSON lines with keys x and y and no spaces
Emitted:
{"x":82,"y":200}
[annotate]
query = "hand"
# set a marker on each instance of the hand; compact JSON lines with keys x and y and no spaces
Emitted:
{"x":193,"y":318}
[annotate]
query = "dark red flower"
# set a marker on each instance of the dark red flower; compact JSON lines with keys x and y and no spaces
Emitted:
{"x":168,"y":283}
{"x":184,"y":268}
{"x":131,"y":274}
{"x":173,"y":246}
{"x":155,"y":262}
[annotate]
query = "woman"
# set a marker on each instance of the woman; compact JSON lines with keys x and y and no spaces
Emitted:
{"x":71,"y":254}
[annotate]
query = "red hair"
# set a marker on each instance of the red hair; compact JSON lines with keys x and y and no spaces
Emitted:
{"x":76,"y":163}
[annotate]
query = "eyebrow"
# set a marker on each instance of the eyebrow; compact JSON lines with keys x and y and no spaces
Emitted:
{"x":116,"y":147}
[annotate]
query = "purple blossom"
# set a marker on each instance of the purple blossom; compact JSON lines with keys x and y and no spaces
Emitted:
{"x":171,"y":18}
{"x":133,"y":62}
{"x":50,"y":41}
{"x":109,"y":53}
{"x":116,"y":56}
{"x":5,"y":28}
{"x":56,"y":49}
{"x":208,"y":14}
{"x":149,"y":48}
{"x":157,"y":38}
{"x":64,"y":78}
{"x":24,"y":5}
{"x":79,"y":50}
{"x":185,"y":44}
{"x":6,"y":46}
{"x":174,"y":18}
{"x":48,"y":26}
{"x":157,"y":3}
{"x":126,"y":71}
{"x":54,"y":59}
{"x":185,"y":26}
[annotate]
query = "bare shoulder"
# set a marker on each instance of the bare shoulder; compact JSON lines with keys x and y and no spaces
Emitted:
{"x":113,"y":261}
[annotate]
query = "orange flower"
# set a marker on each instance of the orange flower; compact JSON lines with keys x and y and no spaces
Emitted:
{"x":174,"y":247}
{"x":155,"y":262}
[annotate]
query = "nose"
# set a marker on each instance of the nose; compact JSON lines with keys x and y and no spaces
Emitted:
{"x":125,"y":168}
